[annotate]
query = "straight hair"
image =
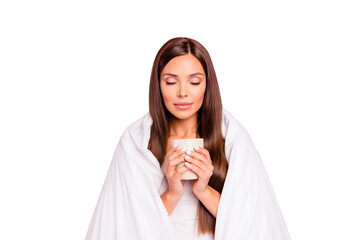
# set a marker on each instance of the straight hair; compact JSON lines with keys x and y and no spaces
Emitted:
{"x":209,"y":118}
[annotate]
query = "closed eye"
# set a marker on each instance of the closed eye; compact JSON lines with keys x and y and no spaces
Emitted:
{"x":172,"y":83}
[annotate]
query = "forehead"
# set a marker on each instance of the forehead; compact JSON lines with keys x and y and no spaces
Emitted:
{"x":183,"y":65}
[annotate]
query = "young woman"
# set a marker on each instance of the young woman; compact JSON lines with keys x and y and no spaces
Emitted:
{"x":143,"y":196}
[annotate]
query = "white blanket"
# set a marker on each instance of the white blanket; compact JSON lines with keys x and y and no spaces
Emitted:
{"x":130,"y":207}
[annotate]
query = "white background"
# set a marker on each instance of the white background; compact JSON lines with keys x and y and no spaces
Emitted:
{"x":74,"y":74}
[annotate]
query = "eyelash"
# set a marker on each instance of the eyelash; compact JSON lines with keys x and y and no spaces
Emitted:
{"x":169,"y":83}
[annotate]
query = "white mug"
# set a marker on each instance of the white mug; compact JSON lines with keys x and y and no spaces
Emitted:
{"x":189,"y":145}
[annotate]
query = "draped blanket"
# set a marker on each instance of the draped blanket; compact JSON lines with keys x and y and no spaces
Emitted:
{"x":130,"y":207}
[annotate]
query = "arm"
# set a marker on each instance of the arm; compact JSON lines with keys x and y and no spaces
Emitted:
{"x":200,"y":162}
{"x":169,"y":201}
{"x":210,"y":198}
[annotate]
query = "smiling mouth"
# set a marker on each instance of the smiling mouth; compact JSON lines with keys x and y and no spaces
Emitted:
{"x":183,"y":106}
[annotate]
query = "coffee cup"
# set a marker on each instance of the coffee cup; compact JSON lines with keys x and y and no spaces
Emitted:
{"x":189,"y":145}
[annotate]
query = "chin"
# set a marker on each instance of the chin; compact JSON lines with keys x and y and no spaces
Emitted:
{"x":182,"y":114}
{"x":182,"y":117}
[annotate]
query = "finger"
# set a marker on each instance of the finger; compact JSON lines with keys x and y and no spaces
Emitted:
{"x":201,"y":174}
{"x":204,"y":152}
{"x":199,"y":157}
{"x":198,"y":163}
{"x":172,"y":149}
{"x":177,"y":153}
{"x":179,"y":171}
{"x":182,"y":169}
{"x":176,"y":161}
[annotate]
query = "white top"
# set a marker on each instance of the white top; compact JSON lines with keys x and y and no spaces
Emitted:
{"x":184,"y":214}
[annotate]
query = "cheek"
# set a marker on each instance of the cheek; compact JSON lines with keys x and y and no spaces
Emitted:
{"x":166,"y":93}
{"x":199,"y":94}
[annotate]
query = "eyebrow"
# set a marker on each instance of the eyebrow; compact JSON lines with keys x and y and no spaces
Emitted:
{"x":174,"y":75}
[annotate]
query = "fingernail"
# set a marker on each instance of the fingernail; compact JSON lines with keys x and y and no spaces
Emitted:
{"x":183,"y":150}
{"x":188,"y":152}
{"x":196,"y":148}
{"x":187,"y":164}
{"x":175,"y":145}
{"x":187,"y":157}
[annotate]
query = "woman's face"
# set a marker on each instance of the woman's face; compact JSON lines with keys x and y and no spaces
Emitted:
{"x":183,"y":81}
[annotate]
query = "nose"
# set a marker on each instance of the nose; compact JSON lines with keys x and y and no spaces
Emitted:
{"x":182,"y":91}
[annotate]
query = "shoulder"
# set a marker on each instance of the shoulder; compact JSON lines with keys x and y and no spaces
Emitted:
{"x":140,"y":124}
{"x":231,"y":128}
{"x":235,"y":135}
{"x":139,"y":129}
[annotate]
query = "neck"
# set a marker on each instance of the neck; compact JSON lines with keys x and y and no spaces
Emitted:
{"x":186,"y":128}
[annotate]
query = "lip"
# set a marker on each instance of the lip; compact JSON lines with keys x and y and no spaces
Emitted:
{"x":183,"y":105}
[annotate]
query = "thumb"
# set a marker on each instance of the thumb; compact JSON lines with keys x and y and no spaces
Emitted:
{"x":181,"y":170}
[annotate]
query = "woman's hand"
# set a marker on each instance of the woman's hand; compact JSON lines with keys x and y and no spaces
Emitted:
{"x":199,"y":162}
{"x":173,"y":157}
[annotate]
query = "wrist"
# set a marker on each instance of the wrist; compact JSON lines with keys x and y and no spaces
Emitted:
{"x":173,"y":196}
{"x":170,"y":200}
{"x":202,"y":194}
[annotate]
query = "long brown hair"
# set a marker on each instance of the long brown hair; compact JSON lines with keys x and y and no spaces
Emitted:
{"x":208,"y":120}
